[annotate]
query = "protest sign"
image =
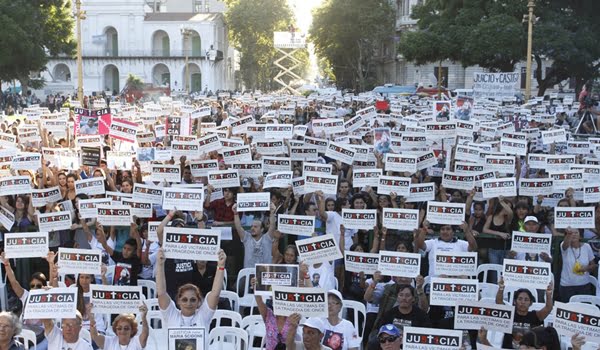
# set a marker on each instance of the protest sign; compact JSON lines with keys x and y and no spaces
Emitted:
{"x":201,"y":168}
{"x":458,"y":181}
{"x":303,"y":153}
{"x":279,"y":131}
{"x":91,"y":186}
{"x":14,"y":185}
{"x":90,"y":156}
{"x":119,"y":160}
{"x":209,"y":143}
{"x":191,"y":243}
{"x":513,"y":146}
{"x":252,"y":201}
{"x":237,"y":155}
{"x":123,"y":130}
{"x":473,"y":315}
{"x":535,"y":187}
{"x":114,"y":215}
{"x":7,"y":218}
{"x":401,"y":162}
{"x":300,"y":225}
{"x":87,"y":207}
{"x":366,"y":177}
{"x":109,"y":299}
{"x":343,"y":153}
{"x":268,"y":275}
{"x":309,"y":302}
{"x":495,"y":85}
{"x":494,"y":188}
{"x":185,"y":148}
{"x":183,"y":198}
{"x":399,"y":264}
{"x":139,"y":208}
{"x":574,"y":217}
{"x":317,"y":168}
{"x":563,"y":180}
{"x":570,"y":319}
{"x":241,"y":125}
{"x":558,"y":163}
{"x":318,"y":249}
{"x":27,"y":161}
{"x":298,"y":186}
{"x":448,"y":291}
{"x":421,"y":192}
{"x":165,"y":173}
{"x":361,"y":262}
{"x":152,"y":231}
{"x":54,"y":221}
{"x":591,"y":194}
{"x":521,"y":273}
{"x":249,"y":170}
{"x":26,"y":245}
{"x":44,"y":196}
{"x":271,"y":148}
{"x":396,"y":184}
{"x":276,"y":164}
{"x":320,"y":182}
{"x":455,"y":263}
{"x":360,"y":219}
{"x":554,"y":136}
{"x":466,"y":167}
{"x":401,"y":219}
{"x":153,"y":194}
{"x":445,"y":213}
{"x":319,"y":144}
{"x":533,"y":243}
{"x":79,"y":261}
{"x":51,"y":303}
{"x":501,"y":164}
{"x":414,"y":338}
{"x":280,"y":179}
{"x":186,"y":338}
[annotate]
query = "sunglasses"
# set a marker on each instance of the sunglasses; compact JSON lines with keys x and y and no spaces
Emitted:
{"x":36,"y":286}
{"x":191,"y":300}
{"x":384,"y":340}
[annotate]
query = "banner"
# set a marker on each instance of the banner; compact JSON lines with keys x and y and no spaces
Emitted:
{"x":268,"y":275}
{"x":320,"y":182}
{"x":571,"y":319}
{"x":300,"y":225}
{"x":533,"y":243}
{"x":520,"y":273}
{"x":114,"y":215}
{"x":496,"y":86}
{"x":473,"y":315}
{"x":14,"y":185}
{"x":109,"y":299}
{"x":361,"y":262}
{"x":54,"y":303}
{"x":455,"y":263}
{"x":401,"y":219}
{"x":574,"y":217}
{"x":448,"y":291}
{"x":359,"y":219}
{"x":78,"y":261}
{"x":399,"y":264}
{"x":414,"y":338}
{"x":26,"y":245}
{"x":445,"y":213}
{"x":494,"y":188}
{"x":309,"y":302}
{"x":54,"y":221}
{"x":186,"y":338}
{"x":92,"y":186}
{"x":253,"y":201}
{"x":183,"y":198}
{"x":318,"y":249}
{"x":191,"y":243}
{"x":224,"y":178}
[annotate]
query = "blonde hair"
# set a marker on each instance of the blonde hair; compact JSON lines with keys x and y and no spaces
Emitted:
{"x":129,"y":318}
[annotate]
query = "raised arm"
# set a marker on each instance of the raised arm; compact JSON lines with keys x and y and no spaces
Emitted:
{"x":161,"y":284}
{"x":469,"y":236}
{"x":145,"y":329}
{"x":101,"y":236}
{"x":500,"y":292}
{"x":547,"y":309}
{"x":321,"y":205}
{"x":97,"y":337}
{"x":213,"y":297}
{"x":237,"y":223}
{"x":419,"y":238}
{"x":10,"y":274}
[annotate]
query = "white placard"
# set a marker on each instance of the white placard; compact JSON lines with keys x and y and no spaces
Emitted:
{"x":224,"y":178}
{"x":300,"y":225}
{"x":574,"y":217}
{"x":423,"y":192}
{"x":401,"y":219}
{"x":513,"y":146}
{"x":561,"y":181}
{"x":279,"y":131}
{"x":168,"y":173}
{"x":26,"y":245}
{"x":448,"y":291}
{"x":359,"y":219}
{"x":495,"y":86}
{"x":51,"y":304}
{"x":253,"y":201}
{"x":188,"y":149}
{"x":27,"y":161}
{"x":361,"y":262}
{"x":318,"y":249}
{"x":183,"y":198}
{"x":445,"y":213}
{"x":276,"y":164}
{"x":54,"y":221}
{"x":414,"y":338}
{"x":309,"y":302}
{"x":191,"y":243}
{"x":87,"y":207}
{"x":458,"y":181}
{"x":569,"y":319}
{"x":534,"y":243}
{"x":78,"y":261}
{"x":320,"y":182}
{"x":399,"y":264}
{"x":139,"y":208}
{"x":304,"y":153}
{"x":268,"y":275}
{"x":201,"y":168}
{"x":455,"y":263}
{"x":554,"y":136}
{"x":248,"y":170}
{"x":280,"y":179}
{"x":109,"y":299}
{"x":114,"y":215}
{"x":396,"y":184}
{"x":366,"y":177}
{"x":92,"y":186}
{"x":521,"y":273}
{"x":338,"y":151}
{"x":237,"y":155}
{"x":535,"y":187}
{"x":591,"y":194}
{"x":270,"y":147}
{"x":119,"y":160}
{"x":501,"y":164}
{"x":401,"y":163}
{"x":209,"y":143}
{"x":7,"y":219}
{"x":474,"y":315}
{"x":153,"y":194}
{"x":180,"y":337}
{"x":494,"y":188}
{"x":14,"y":185}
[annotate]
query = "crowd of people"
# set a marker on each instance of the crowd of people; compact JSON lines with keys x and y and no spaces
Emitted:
{"x":188,"y":291}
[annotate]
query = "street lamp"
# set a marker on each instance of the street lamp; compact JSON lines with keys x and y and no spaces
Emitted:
{"x":530,"y":6}
{"x":186,"y":33}
{"x":79,"y":15}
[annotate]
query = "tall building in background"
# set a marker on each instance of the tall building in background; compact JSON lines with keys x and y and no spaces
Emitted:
{"x":166,"y":43}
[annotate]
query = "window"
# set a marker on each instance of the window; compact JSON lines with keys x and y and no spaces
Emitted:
{"x":444,"y":75}
{"x":198,"y":6}
{"x":523,"y":77}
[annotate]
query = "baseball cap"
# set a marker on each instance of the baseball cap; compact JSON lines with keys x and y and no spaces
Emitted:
{"x":336,"y":293}
{"x":389,"y":329}
{"x":313,"y":322}
{"x":531,"y":218}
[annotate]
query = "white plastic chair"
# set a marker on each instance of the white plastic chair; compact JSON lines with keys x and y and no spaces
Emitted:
{"x":255,"y":327}
{"x":234,"y":317}
{"x":587,"y":299}
{"x":152,"y":304}
{"x":232,"y":298}
{"x":485,"y":270}
{"x":245,"y":293}
{"x":3,"y":290}
{"x":27,"y":336}
{"x":359,"y":312}
{"x":155,"y":320}
{"x":594,"y":282}
{"x":509,"y":294}
{"x":228,"y":338}
{"x":85,"y":335}
{"x":148,"y":288}
{"x":157,"y":339}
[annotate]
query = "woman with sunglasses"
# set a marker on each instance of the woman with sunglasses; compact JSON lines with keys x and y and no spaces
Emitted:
{"x":194,"y":310}
{"x":125,"y":327}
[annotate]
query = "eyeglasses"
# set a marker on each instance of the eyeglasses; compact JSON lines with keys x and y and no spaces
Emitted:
{"x":384,"y":340}
{"x":36,"y":286}
{"x":191,"y":300}
{"x":125,"y":329}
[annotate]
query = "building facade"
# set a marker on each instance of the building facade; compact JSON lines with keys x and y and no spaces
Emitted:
{"x":177,"y":44}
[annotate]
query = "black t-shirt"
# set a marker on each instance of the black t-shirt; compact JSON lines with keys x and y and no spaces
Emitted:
{"x":179,"y":272}
{"x":415,"y":318}
{"x":133,"y":265}
{"x":521,"y":325}
{"x":205,"y":282}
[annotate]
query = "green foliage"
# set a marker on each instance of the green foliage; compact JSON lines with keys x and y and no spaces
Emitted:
{"x":491,"y":34}
{"x":348,"y":34}
{"x":33,"y":31}
{"x":251,"y":25}
{"x":134,"y":82}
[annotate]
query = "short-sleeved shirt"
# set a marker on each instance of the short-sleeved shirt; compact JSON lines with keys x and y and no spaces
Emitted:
{"x":342,"y":336}
{"x":257,"y":252}
{"x":112,"y":343}
{"x":437,"y":245}
{"x":175,"y":319}
{"x":57,"y":342}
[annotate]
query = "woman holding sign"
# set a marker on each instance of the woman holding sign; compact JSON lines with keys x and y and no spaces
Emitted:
{"x":125,"y":327}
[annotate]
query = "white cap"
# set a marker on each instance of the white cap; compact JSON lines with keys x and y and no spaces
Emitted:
{"x":531,"y":218}
{"x":314,"y":322}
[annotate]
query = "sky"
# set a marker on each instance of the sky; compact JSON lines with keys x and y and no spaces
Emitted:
{"x":302,"y":11}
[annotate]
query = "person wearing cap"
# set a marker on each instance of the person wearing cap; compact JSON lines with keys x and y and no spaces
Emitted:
{"x":531,"y":225}
{"x":312,"y":334}
{"x":390,"y":337}
{"x":339,"y":334}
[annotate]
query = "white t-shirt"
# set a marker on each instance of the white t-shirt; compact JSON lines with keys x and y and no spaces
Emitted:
{"x":57,"y":342}
{"x":584,"y":255}
{"x":341,"y":336}
{"x":326,"y":278}
{"x":334,"y":221}
{"x":437,"y":245}
{"x":112,"y":343}
{"x":174,"y":319}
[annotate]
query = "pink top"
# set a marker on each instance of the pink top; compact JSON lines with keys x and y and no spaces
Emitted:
{"x":273,"y":334}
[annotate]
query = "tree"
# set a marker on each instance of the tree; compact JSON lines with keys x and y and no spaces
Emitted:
{"x":349,"y":33}
{"x":34,"y":30}
{"x":251,"y":25}
{"x":491,"y":34}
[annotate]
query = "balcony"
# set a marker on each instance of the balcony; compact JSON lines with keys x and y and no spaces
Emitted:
{"x":403,"y":22}
{"x":163,"y":54}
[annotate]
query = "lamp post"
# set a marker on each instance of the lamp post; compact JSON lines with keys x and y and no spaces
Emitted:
{"x":79,"y":15}
{"x":530,"y":6}
{"x":186,"y":33}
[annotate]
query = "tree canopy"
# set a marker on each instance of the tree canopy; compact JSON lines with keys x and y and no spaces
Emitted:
{"x":493,"y":35}
{"x":34,"y":30}
{"x":349,"y":33}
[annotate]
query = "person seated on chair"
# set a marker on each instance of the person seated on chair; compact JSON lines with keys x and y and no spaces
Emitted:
{"x":9,"y":327}
{"x":125,"y":327}
{"x":66,"y":337}
{"x":312,"y":334}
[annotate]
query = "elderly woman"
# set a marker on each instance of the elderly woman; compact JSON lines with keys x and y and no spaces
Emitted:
{"x":9,"y":327}
{"x":194,"y":309}
{"x":127,"y":337}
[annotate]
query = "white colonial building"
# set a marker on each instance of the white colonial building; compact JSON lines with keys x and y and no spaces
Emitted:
{"x":164,"y":42}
